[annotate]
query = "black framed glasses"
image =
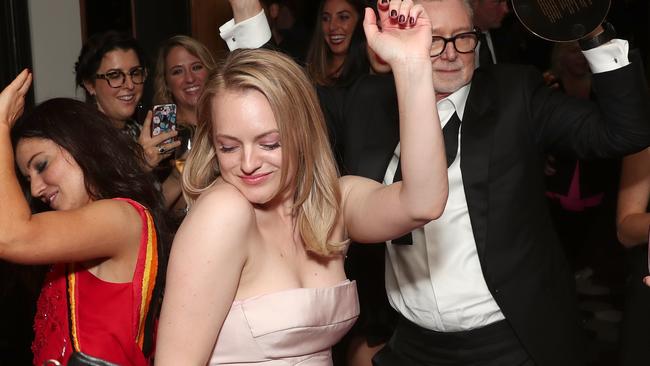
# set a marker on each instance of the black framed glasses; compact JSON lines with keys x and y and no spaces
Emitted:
{"x":465,"y":42}
{"x":117,"y":78}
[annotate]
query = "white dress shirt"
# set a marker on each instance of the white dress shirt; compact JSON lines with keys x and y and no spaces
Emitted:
{"x":437,"y":282}
{"x":251,"y":33}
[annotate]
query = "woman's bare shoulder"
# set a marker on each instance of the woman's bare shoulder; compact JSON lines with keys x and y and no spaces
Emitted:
{"x":222,"y":204}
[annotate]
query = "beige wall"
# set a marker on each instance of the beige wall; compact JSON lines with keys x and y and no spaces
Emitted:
{"x":55,"y":31}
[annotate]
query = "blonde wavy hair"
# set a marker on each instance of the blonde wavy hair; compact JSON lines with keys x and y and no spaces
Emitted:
{"x":162,"y":93}
{"x":303,"y":135}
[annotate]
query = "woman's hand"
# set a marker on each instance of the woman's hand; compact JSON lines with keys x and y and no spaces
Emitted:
{"x":155,"y":150}
{"x":12,"y":99}
{"x":403,"y":31}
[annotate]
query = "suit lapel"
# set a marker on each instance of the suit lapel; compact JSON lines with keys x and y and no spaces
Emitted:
{"x":479,"y":122}
{"x":379,"y":140}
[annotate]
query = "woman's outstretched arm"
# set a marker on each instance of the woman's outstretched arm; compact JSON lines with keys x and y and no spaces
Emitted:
{"x":101,"y":229}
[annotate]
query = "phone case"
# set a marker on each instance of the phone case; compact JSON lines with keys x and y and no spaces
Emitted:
{"x":164,"y":120}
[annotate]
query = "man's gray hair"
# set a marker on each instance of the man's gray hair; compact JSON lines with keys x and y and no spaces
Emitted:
{"x":466,"y":3}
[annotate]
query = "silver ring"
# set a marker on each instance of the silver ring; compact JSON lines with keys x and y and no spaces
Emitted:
{"x":161,"y":150}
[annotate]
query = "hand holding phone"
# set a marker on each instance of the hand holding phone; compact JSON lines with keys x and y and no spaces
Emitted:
{"x":164,"y":120}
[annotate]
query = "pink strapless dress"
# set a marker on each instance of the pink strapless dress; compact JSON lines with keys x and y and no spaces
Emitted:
{"x":291,"y":327}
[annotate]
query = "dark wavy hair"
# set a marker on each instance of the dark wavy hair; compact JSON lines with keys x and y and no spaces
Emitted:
{"x":356,"y":61}
{"x":112,"y":164}
{"x":94,"y":50}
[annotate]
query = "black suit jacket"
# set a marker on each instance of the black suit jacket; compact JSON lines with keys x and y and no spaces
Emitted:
{"x":511,"y":120}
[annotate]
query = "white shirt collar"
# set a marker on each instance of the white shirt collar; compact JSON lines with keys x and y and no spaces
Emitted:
{"x":455,"y":102}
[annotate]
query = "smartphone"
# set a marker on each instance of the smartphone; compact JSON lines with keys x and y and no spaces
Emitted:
{"x":164,"y":120}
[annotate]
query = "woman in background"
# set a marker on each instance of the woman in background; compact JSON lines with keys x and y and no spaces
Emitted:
{"x":181,"y":68}
{"x":337,"y":53}
{"x":111,"y":69}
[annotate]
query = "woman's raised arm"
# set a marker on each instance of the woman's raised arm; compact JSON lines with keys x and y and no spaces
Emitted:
{"x":422,"y":194}
{"x":58,"y":236}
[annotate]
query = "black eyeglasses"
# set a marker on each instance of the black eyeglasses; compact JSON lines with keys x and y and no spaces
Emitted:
{"x":116,"y":78}
{"x":463,"y":43}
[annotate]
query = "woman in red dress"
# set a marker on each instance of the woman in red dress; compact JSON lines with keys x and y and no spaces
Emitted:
{"x":95,"y":214}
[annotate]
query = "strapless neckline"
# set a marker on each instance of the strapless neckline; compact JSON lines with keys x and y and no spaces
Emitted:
{"x":288,"y":291}
{"x":287,"y":327}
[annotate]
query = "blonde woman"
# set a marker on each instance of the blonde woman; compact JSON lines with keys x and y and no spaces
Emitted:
{"x":182,"y":66}
{"x":256,"y":274}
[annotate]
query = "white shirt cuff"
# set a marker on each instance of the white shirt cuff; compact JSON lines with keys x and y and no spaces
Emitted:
{"x":609,"y":56}
{"x":251,"y":33}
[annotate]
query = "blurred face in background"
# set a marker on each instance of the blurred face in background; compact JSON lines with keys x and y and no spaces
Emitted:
{"x":571,"y":60}
{"x":488,"y":14}
{"x":338,"y":22}
{"x":118,"y":87}
{"x":184,"y":76}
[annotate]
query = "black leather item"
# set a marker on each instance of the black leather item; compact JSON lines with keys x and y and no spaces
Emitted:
{"x":82,"y":359}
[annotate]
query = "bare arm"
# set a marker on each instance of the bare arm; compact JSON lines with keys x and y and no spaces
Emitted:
{"x":207,"y":258}
{"x":102,"y":229}
{"x":422,"y":194}
{"x":171,"y":188}
{"x":245,"y":9}
{"x":632,"y":218}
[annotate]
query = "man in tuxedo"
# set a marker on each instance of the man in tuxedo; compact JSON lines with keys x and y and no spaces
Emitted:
{"x":488,"y":283}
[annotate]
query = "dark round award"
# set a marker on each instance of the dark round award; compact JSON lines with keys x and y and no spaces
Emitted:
{"x":561,"y":20}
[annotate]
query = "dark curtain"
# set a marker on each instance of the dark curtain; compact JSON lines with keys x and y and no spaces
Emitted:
{"x":15,"y":46}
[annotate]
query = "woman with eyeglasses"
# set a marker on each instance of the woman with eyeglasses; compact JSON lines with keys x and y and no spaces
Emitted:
{"x":112,"y":71}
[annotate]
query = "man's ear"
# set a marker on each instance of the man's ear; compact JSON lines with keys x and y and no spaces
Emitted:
{"x":274,"y":10}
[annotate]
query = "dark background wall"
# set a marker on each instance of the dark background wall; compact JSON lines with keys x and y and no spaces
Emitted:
{"x":15,"y":47}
